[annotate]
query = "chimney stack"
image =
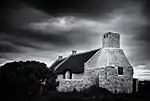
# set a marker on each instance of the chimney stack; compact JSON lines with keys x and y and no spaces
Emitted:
{"x":74,"y":52}
{"x":60,"y":57}
{"x":111,"y":40}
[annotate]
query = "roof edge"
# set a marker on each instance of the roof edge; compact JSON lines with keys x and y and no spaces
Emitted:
{"x":62,"y":62}
{"x":53,"y":64}
{"x":86,"y":52}
{"x":70,"y":56}
{"x":93,"y":56}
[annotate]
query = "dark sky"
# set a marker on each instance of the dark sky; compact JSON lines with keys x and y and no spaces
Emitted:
{"x":44,"y":29}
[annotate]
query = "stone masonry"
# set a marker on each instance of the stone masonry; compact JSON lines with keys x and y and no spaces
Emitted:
{"x":102,"y":69}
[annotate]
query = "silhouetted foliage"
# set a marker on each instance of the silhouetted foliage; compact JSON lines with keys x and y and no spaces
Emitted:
{"x":23,"y":80}
{"x":95,"y":93}
{"x":96,"y":90}
{"x":144,"y":89}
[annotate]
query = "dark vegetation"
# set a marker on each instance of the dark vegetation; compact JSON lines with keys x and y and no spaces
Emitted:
{"x":94,"y":93}
{"x":34,"y":81}
{"x":25,"y":80}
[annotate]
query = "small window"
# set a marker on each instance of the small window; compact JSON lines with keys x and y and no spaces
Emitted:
{"x":120,"y":71}
{"x":104,"y":36}
{"x":67,"y":75}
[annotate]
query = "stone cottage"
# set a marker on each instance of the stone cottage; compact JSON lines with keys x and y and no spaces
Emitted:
{"x":107,"y":67}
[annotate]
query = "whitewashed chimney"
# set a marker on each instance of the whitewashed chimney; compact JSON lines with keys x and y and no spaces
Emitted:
{"x":60,"y":57}
{"x":74,"y":52}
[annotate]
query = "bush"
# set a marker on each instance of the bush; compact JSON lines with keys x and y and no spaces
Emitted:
{"x":24,"y":80}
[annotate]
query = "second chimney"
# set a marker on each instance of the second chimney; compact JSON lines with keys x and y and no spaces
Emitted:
{"x":60,"y":57}
{"x":74,"y":52}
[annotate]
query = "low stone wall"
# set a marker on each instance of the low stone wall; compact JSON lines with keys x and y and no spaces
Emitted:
{"x":69,"y":85}
{"x":90,"y":78}
{"x":77,"y":76}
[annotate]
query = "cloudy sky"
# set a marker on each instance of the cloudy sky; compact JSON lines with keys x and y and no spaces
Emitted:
{"x":43,"y":30}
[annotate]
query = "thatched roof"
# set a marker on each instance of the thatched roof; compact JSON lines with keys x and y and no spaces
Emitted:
{"x":57,"y":62}
{"x":74,"y":63}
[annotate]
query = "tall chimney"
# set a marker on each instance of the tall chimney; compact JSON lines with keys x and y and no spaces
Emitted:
{"x":111,"y":40}
{"x":74,"y":52}
{"x":60,"y":57}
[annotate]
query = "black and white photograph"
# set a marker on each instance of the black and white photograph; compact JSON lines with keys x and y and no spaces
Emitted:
{"x":75,"y":50}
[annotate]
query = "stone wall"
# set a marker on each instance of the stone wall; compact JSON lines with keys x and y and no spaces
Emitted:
{"x":69,"y":85}
{"x":77,"y":75}
{"x":91,"y":75}
{"x":106,"y":77}
{"x":60,"y":76}
{"x":115,"y":83}
{"x":90,"y":78}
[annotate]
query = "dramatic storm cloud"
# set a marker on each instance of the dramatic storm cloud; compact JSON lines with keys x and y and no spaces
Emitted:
{"x":42,"y":30}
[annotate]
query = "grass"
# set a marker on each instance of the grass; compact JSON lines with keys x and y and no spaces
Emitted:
{"x":92,"y":94}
